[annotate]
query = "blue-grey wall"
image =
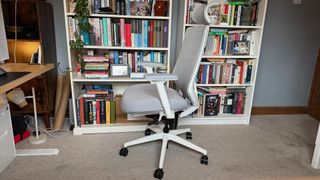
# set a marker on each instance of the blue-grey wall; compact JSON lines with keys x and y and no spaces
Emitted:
{"x":288,"y":54}
{"x":60,"y":31}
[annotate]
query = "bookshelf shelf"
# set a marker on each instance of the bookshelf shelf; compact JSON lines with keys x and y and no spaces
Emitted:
{"x":226,"y":81}
{"x":127,"y":48}
{"x":224,"y":85}
{"x":227,"y":26}
{"x":110,"y":79}
{"x":231,"y":56}
{"x":215,"y":120}
{"x":114,"y":39}
{"x":125,"y":16}
{"x":119,"y":127}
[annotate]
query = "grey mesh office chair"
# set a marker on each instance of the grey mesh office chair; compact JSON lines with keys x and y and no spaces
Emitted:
{"x":169,"y":104}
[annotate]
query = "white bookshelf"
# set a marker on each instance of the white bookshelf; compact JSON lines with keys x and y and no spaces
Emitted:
{"x":119,"y":84}
{"x":254,"y":55}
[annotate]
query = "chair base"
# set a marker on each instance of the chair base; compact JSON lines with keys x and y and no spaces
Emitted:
{"x":172,"y":135}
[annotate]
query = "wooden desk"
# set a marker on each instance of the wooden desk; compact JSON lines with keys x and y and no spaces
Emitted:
{"x":35,"y":70}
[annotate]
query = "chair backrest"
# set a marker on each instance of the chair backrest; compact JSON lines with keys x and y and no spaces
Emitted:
{"x":188,"y":61}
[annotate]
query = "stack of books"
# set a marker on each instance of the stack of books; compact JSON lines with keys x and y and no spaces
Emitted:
{"x":96,"y":105}
{"x":96,"y":66}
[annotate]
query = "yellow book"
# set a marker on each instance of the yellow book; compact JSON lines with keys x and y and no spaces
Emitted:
{"x":232,"y":15}
{"x":108,"y":112}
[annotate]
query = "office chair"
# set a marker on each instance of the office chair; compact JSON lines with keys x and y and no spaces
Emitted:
{"x":166,"y":104}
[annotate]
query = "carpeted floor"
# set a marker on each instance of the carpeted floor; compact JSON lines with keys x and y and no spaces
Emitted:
{"x":271,"y":147}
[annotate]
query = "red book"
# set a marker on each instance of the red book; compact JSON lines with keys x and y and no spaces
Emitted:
{"x":241,"y":64}
{"x":98,"y":111}
{"x":128,"y":34}
{"x":240,"y":103}
{"x":210,"y":74}
{"x":151,"y":33}
{"x":81,"y":110}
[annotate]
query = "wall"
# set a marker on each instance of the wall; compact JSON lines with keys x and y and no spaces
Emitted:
{"x":288,"y":55}
{"x":59,"y":26}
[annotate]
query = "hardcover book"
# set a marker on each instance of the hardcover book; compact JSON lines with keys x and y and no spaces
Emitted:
{"x":211,"y":105}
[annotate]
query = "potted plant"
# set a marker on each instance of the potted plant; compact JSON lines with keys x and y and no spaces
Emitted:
{"x":83,"y":28}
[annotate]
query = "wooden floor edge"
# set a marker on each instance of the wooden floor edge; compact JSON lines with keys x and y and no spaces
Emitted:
{"x":262,"y":110}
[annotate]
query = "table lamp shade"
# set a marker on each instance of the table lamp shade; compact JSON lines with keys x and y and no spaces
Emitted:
{"x":3,"y":40}
{"x":17,"y":96}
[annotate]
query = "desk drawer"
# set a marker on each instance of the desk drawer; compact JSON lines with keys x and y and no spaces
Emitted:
{"x":7,"y":148}
{"x":5,"y":120}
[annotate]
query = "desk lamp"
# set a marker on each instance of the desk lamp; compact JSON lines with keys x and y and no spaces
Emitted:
{"x":3,"y":43}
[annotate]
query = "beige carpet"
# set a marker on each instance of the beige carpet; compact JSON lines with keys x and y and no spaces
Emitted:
{"x":271,"y":147}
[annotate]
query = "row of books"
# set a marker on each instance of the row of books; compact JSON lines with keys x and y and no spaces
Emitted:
{"x":125,"y":7}
{"x":120,"y":7}
{"x":97,"y":65}
{"x":229,"y":71}
{"x":123,"y":33}
{"x":234,"y":13}
{"x":218,"y":101}
{"x":96,"y":105}
{"x":233,"y":42}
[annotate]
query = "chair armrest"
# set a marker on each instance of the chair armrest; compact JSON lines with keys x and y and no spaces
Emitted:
{"x":161,"y":77}
{"x":150,"y":65}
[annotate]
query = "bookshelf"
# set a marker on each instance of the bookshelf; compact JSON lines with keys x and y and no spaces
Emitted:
{"x":219,"y":61}
{"x":149,"y":51}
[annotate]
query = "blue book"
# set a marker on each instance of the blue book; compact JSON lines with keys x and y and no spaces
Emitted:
{"x":85,"y":37}
{"x":204,"y":74}
{"x":152,"y":56}
{"x":162,"y":58}
{"x":116,"y":57}
{"x":145,"y":33}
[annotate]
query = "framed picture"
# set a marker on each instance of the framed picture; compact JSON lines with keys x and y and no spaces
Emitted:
{"x":119,"y":70}
{"x":241,"y":48}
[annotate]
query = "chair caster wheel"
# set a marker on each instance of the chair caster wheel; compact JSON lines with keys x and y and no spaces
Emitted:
{"x":158,"y":173}
{"x":204,"y":159}
{"x":123,"y":152}
{"x":147,"y":132}
{"x":189,"y":135}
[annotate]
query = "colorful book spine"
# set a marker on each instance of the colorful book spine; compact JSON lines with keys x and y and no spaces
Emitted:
{"x":105,"y":31}
{"x":122,"y":33}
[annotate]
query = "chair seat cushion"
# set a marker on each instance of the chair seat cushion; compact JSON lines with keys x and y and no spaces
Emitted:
{"x":143,"y":98}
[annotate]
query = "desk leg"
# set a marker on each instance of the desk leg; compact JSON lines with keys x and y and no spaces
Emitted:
{"x":46,"y":120}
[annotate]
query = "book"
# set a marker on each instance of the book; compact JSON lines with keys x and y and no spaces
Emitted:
{"x":112,"y":111}
{"x":103,"y":111}
{"x":210,"y":105}
{"x":108,"y":113}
